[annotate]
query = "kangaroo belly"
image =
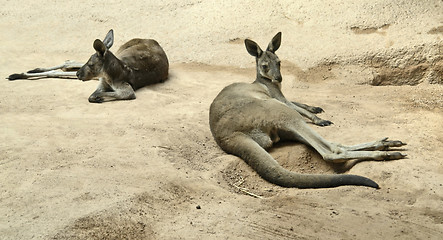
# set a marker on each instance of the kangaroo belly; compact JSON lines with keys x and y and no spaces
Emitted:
{"x":251,"y":113}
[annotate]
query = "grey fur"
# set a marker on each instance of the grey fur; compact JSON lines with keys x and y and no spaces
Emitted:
{"x":136,"y":64}
{"x":246,"y":119}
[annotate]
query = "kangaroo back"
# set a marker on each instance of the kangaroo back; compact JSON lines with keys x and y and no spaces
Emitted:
{"x":147,"y":59}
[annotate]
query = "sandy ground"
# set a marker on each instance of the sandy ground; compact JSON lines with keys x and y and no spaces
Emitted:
{"x":149,"y":168}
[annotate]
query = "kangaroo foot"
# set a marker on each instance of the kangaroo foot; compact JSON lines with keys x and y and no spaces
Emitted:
{"x":394,"y":156}
{"x":315,"y":109}
{"x":16,"y":76}
{"x":323,"y":123}
{"x":385,"y":144}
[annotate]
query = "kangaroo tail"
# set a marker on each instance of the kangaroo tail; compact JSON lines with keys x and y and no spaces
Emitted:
{"x":270,"y":170}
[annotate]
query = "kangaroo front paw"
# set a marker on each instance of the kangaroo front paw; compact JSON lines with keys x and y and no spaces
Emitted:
{"x":396,"y":143}
{"x":323,"y":123}
{"x":316,"y":110}
{"x":386,"y":144}
{"x":394,"y":156}
{"x":95,"y":99}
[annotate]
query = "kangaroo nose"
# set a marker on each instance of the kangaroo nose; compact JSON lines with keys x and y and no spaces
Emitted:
{"x":278,"y":78}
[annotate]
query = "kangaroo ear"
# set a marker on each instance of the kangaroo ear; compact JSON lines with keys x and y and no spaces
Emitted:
{"x":253,"y":48}
{"x":109,"y":39}
{"x":275,"y":43}
{"x":99,"y":47}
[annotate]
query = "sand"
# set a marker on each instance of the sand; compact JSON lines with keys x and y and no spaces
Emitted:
{"x":150,"y":169}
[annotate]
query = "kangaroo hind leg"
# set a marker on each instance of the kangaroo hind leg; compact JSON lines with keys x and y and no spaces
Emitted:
{"x":383,"y":144}
{"x":333,"y":152}
{"x":68,"y":70}
{"x":68,"y":66}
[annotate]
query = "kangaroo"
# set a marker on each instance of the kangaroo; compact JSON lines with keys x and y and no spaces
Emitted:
{"x":246,"y":119}
{"x":137,"y":63}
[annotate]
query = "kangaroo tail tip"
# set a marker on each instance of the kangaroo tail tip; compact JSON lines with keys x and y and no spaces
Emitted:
{"x":369,"y":183}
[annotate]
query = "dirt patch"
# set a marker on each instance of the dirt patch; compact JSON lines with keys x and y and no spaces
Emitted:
{"x":316,"y":74}
{"x":236,"y":41}
{"x":411,"y":75}
{"x":369,"y":30}
{"x":436,"y":30}
{"x":131,"y":219}
{"x":112,"y":226}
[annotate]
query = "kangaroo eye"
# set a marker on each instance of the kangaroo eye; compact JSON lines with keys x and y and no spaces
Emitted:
{"x":265,"y":67}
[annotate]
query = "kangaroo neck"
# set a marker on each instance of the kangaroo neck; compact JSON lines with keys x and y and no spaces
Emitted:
{"x":114,"y":68}
{"x":271,"y":85}
{"x":274,"y":88}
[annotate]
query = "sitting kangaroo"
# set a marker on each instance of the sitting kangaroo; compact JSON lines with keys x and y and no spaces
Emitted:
{"x":137,"y":63}
{"x":245,"y":119}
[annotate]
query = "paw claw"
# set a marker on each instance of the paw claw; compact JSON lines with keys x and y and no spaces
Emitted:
{"x":395,"y":156}
{"x":16,"y":76}
{"x":396,"y":143}
{"x":95,"y":99}
{"x":388,"y":143}
{"x":317,"y":110}
{"x":324,"y":123}
{"x":35,"y":70}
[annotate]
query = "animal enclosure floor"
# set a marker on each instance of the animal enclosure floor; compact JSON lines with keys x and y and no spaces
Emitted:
{"x":141,"y":168}
{"x":150,"y":169}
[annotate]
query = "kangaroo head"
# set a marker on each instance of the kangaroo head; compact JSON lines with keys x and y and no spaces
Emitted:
{"x":268,"y":64}
{"x":94,"y":67}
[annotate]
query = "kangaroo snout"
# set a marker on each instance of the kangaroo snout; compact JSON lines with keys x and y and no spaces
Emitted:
{"x":278,"y":78}
{"x":79,"y":75}
{"x":82,"y":76}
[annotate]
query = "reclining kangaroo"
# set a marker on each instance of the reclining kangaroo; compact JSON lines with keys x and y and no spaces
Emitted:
{"x":138,"y":63}
{"x":246,"y":119}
